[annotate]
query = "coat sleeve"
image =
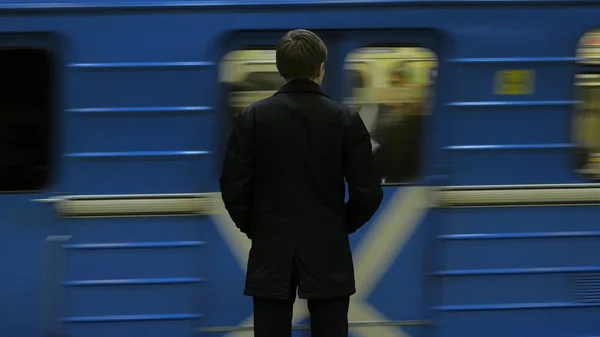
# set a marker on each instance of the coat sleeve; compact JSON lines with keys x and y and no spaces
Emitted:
{"x":361,"y":174}
{"x":237,"y":175}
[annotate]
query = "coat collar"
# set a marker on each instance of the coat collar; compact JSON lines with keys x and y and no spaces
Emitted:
{"x":301,"y":85}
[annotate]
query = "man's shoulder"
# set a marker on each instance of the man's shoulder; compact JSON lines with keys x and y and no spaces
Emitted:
{"x":343,"y":111}
{"x":337,"y":106}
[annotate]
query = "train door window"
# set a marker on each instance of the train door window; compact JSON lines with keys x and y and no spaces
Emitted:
{"x":25,"y":119}
{"x":393,"y":106}
{"x":586,"y":123}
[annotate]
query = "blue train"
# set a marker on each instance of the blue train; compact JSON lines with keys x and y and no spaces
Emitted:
{"x":115,"y":114}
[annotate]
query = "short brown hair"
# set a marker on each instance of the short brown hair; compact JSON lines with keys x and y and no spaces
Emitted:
{"x":299,"y":54}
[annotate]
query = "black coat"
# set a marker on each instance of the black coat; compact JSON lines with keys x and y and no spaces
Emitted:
{"x":283,"y":186}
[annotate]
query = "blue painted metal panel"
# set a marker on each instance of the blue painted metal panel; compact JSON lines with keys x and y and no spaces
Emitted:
{"x":147,"y":4}
{"x":130,"y":274}
{"x":507,"y":264}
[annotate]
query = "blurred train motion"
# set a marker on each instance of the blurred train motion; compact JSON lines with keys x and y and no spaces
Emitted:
{"x":485,"y":121}
{"x":587,"y":123}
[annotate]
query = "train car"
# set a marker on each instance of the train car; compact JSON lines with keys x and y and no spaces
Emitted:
{"x":115,"y":115}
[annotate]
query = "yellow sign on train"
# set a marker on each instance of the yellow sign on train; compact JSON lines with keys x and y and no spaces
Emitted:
{"x":514,"y":82}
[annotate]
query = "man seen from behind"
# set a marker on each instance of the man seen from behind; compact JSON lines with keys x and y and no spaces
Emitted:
{"x":283,"y":184}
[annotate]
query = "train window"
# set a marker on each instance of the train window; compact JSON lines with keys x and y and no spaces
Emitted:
{"x":393,"y":106}
{"x":25,"y":119}
{"x":587,"y":115}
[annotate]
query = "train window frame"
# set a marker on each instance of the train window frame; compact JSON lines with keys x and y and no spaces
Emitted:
{"x":428,"y":104}
{"x":586,"y":154}
{"x":38,"y":158}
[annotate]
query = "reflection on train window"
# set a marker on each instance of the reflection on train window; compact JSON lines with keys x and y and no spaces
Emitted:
{"x":25,"y":119}
{"x":393,"y":106}
{"x":587,"y":115}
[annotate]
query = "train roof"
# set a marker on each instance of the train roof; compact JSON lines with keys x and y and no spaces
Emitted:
{"x":157,"y":4}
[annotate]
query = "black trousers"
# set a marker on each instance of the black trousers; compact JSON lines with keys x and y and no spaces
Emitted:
{"x":328,"y":317}
{"x":273,"y":317}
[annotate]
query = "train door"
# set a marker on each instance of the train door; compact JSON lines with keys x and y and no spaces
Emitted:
{"x":27,"y":172}
{"x":388,"y":81}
